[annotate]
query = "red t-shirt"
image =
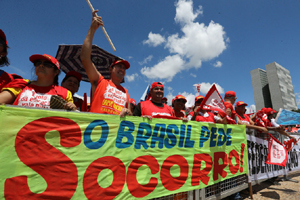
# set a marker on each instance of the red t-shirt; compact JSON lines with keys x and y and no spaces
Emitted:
{"x":180,"y":114}
{"x":148,"y":108}
{"x":207,"y":117}
{"x":245,"y":120}
{"x":109,"y":98}
{"x":6,"y":78}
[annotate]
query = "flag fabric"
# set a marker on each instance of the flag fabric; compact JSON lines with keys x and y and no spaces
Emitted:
{"x":277,"y":152}
{"x":286,"y":117}
{"x":289,"y":144}
{"x":145,"y":94}
{"x":69,"y":58}
{"x":197,"y":87}
{"x":213,"y":101}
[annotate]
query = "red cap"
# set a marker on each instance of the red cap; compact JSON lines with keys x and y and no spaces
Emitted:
{"x":126,"y":63}
{"x":164,"y":99}
{"x":2,"y":36}
{"x":230,"y":94}
{"x":240,"y":103}
{"x":133,"y":101}
{"x":180,"y":97}
{"x":35,"y":57}
{"x":75,"y":74}
{"x":156,"y":84}
{"x":269,"y":111}
{"x":199,"y":97}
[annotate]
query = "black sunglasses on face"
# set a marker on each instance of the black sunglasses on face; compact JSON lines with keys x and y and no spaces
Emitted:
{"x":45,"y":64}
{"x":180,"y":100}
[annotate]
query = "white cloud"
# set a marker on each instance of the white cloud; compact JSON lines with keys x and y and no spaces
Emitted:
{"x":204,"y":88}
{"x":146,"y":60}
{"x":154,"y":39}
{"x":198,"y":43}
{"x":131,"y":77}
{"x":218,"y":64}
{"x":166,"y":69}
{"x":184,"y":12}
{"x":193,"y":75}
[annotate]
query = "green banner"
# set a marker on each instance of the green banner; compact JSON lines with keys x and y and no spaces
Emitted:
{"x":48,"y":154}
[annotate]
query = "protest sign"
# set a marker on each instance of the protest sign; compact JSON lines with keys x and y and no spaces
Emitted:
{"x":47,"y":154}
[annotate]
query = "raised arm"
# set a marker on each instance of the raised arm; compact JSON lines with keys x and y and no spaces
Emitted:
{"x":85,"y":56}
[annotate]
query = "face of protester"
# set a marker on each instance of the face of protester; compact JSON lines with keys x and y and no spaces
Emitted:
{"x":44,"y":68}
{"x":71,"y":83}
{"x":179,"y":104}
{"x":117,"y":72}
{"x":157,"y":94}
{"x":241,"y":109}
{"x":198,"y":102}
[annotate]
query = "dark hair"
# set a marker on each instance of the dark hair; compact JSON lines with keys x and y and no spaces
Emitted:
{"x":55,"y":81}
{"x":4,"y":60}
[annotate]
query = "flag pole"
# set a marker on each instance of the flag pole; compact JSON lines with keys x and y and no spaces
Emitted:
{"x":103,"y":29}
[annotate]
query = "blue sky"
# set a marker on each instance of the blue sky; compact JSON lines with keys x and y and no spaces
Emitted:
{"x":180,"y":43}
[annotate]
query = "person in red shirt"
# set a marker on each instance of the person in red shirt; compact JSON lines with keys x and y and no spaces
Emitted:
{"x":38,"y":93}
{"x":242,"y":118}
{"x":264,"y":118}
{"x":154,"y":108}
{"x":72,"y":82}
{"x":5,"y":77}
{"x":203,"y":115}
{"x":178,"y":106}
{"x":108,"y":96}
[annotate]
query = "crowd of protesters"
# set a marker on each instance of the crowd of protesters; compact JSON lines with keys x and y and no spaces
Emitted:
{"x":109,"y":97}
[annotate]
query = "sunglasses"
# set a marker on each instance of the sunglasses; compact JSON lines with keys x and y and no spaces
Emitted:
{"x":45,"y":64}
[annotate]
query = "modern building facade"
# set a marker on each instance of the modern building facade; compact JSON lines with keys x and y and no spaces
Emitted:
{"x":273,"y":88}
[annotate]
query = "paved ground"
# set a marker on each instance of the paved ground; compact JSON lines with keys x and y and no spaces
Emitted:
{"x":288,"y":190}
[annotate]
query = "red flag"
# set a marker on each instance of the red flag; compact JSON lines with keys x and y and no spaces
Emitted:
{"x":197,"y":87}
{"x":289,"y":145}
{"x":277,"y":152}
{"x":213,"y":101}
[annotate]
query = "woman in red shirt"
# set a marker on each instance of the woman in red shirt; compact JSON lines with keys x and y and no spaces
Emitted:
{"x":38,"y":93}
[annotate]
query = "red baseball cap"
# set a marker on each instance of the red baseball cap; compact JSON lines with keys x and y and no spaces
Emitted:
{"x":269,"y":111}
{"x":35,"y":57}
{"x":2,"y":36}
{"x":133,"y":101}
{"x":199,"y":97}
{"x":164,"y":99}
{"x":156,"y":84}
{"x":240,"y":103}
{"x":125,"y":62}
{"x":180,"y":97}
{"x":230,"y":94}
{"x":75,"y":74}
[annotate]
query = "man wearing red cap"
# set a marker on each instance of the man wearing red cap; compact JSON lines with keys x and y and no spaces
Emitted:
{"x":72,"y":83}
{"x":230,"y":97}
{"x":108,"y":96}
{"x":154,"y":108}
{"x":242,"y":118}
{"x":164,"y":100}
